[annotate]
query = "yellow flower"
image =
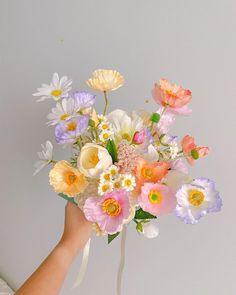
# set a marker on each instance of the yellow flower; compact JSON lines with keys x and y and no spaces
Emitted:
{"x":105,"y":80}
{"x":66,"y":179}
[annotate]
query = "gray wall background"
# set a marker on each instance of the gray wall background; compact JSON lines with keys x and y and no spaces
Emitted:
{"x":189,"y":42}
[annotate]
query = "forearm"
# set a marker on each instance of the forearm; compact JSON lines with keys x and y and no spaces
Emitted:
{"x":50,"y":275}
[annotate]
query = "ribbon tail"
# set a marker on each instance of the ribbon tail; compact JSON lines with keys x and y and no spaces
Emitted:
{"x":122,"y":260}
{"x":84,"y":265}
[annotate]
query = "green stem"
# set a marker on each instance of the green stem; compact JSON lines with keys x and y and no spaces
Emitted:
{"x":106,"y":103}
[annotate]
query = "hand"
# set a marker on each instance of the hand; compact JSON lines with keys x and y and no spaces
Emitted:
{"x":77,"y":229}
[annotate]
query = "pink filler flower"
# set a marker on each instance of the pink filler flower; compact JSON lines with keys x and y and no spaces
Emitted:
{"x":110,"y":211}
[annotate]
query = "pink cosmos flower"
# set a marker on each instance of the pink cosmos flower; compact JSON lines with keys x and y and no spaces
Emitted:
{"x":170,"y":95}
{"x":109,"y":212}
{"x":157,"y":199}
{"x":190,"y":148}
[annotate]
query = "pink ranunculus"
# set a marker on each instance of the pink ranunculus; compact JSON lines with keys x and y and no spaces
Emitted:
{"x":157,"y":199}
{"x":171,"y":95}
{"x":188,"y":145}
{"x":109,"y":212}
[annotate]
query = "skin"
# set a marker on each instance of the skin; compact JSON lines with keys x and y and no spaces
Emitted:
{"x":50,"y":275}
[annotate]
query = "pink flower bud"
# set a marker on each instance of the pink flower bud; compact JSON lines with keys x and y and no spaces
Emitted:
{"x":139,"y":137}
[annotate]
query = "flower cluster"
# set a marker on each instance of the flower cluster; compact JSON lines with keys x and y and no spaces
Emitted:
{"x":125,"y":167}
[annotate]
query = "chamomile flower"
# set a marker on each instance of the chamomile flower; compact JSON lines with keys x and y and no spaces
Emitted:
{"x":104,"y":125}
{"x":128,"y":182}
{"x":173,"y":150}
{"x":113,"y":170}
{"x":102,"y":118}
{"x":117,"y":184}
{"x":105,"y":187}
{"x":105,"y":135}
{"x":57,"y":89}
{"x":45,"y":157}
{"x":64,"y":110}
{"x":105,"y":176}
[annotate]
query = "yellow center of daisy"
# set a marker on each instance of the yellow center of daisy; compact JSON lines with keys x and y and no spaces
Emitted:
{"x":117,"y":184}
{"x":147,"y":172}
{"x":106,"y":177}
{"x":126,"y":136}
{"x":111,"y":207}
{"x":196,"y":197}
{"x":71,"y":126}
{"x":104,"y":126}
{"x":70,"y":178}
{"x":56,"y":92}
{"x":64,"y":117}
{"x":127,"y":182}
{"x":155,"y":197}
{"x":105,"y":136}
{"x":105,"y":187}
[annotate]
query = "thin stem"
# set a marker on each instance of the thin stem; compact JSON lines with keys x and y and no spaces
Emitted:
{"x":106,"y":103}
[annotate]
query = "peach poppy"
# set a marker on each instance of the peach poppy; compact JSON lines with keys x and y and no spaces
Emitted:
{"x":149,"y":172}
{"x":191,"y":150}
{"x":170,"y":95}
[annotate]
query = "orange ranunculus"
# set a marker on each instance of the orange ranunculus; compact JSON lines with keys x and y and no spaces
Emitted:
{"x":149,"y":172}
{"x":191,"y":150}
{"x":170,"y":95}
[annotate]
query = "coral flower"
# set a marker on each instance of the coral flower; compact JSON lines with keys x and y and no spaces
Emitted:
{"x":157,"y":198}
{"x":149,"y":172}
{"x":66,"y":179}
{"x":171,"y":95}
{"x":105,"y":80}
{"x":191,"y":150}
{"x":109,"y":212}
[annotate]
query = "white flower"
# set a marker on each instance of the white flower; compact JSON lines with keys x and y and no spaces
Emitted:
{"x":105,"y":176}
{"x":173,"y":149}
{"x":104,"y":125}
{"x":102,"y":118}
{"x":125,"y":126}
{"x":117,"y":183}
{"x":93,"y":160}
{"x":57,"y":89}
{"x":105,"y":135}
{"x":152,"y":154}
{"x":64,"y":110}
{"x":150,"y":230}
{"x":105,"y":187}
{"x":128,"y":182}
{"x":45,"y":157}
{"x":175,"y":179}
{"x":113,"y":170}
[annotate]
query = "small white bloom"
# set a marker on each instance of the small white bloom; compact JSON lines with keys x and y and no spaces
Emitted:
{"x":150,"y":230}
{"x":45,"y":157}
{"x":102,"y":118}
{"x":105,"y":176}
{"x":128,"y":182}
{"x":57,"y":89}
{"x":117,"y":183}
{"x":105,"y":135}
{"x":104,"y":125}
{"x":113,"y":170}
{"x":173,"y":150}
{"x":105,"y":187}
{"x":64,"y":110}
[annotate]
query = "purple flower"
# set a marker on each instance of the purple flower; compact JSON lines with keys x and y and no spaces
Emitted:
{"x":68,"y":131}
{"x":83,"y":99}
{"x":197,"y":199}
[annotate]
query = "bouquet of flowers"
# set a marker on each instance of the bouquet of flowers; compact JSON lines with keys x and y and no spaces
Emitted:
{"x":125,"y":167}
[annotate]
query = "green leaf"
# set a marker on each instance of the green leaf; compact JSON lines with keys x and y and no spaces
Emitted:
{"x":111,"y":147}
{"x":139,"y":227}
{"x":71,"y":200}
{"x":155,"y":117}
{"x":140,"y":214}
{"x":92,"y":123}
{"x":194,"y":154}
{"x":112,"y":237}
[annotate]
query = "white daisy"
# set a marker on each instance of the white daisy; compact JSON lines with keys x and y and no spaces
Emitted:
{"x":45,"y":157}
{"x":113,"y":170}
{"x":64,"y":110}
{"x":57,"y":89}
{"x":105,"y":187}
{"x":117,"y":184}
{"x":105,"y":135}
{"x":104,"y":125}
{"x":173,"y":150}
{"x":102,"y":118}
{"x":128,"y":182}
{"x":105,"y":177}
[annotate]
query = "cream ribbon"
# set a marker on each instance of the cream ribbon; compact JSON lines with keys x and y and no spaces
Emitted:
{"x":122,"y":260}
{"x":84,"y":265}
